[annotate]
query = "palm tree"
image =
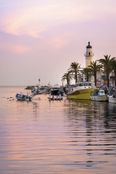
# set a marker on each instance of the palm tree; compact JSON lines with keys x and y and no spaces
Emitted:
{"x":94,"y":68}
{"x":107,"y":66}
{"x":87,"y":73}
{"x":113,"y":64}
{"x":74,"y":68}
{"x":67,"y":77}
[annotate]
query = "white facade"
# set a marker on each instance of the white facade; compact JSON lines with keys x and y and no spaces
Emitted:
{"x":88,"y":55}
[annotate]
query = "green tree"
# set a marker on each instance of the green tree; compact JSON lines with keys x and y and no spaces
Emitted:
{"x":94,"y":67}
{"x":113,"y":64}
{"x":67,"y":76}
{"x":87,"y":73}
{"x":106,"y":62}
{"x":74,"y":68}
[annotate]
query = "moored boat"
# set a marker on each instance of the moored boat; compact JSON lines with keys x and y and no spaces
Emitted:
{"x":80,"y":91}
{"x":23,"y":97}
{"x":112,"y":95}
{"x":40,"y":90}
{"x":99,"y":95}
{"x":111,"y":99}
{"x":55,"y":94}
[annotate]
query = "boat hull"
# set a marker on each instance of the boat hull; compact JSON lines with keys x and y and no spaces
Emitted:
{"x":55,"y":97}
{"x":99,"y":98}
{"x":111,"y":99}
{"x":83,"y":94}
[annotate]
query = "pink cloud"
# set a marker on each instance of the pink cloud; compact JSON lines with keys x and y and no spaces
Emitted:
{"x":58,"y":42}
{"x":13,"y":48}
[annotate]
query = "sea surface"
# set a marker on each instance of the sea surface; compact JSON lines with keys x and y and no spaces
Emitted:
{"x":57,"y":137}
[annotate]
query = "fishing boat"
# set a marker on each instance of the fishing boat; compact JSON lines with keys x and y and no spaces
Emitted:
{"x":80,"y":91}
{"x":55,"y":94}
{"x":99,"y":95}
{"x":23,"y":97}
{"x":112,"y":95}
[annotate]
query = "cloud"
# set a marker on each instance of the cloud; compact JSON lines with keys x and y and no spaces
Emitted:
{"x":14,"y":48}
{"x":36,"y":19}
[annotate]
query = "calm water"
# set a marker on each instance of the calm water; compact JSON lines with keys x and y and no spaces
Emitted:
{"x":58,"y":137}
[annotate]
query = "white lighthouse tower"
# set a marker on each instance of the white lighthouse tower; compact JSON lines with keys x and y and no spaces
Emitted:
{"x":89,"y":54}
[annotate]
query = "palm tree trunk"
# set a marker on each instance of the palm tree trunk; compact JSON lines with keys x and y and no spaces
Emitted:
{"x":87,"y":77}
{"x":68,"y":81}
{"x":95,"y":79}
{"x":107,"y":78}
{"x":75,"y":78}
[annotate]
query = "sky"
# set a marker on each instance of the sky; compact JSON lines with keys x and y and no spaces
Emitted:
{"x":39,"y":39}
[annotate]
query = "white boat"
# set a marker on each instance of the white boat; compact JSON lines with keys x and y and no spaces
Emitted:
{"x":23,"y":97}
{"x":55,"y":94}
{"x":40,"y":90}
{"x":99,"y":95}
{"x":80,"y":91}
{"x":112,"y":95}
{"x":111,"y":99}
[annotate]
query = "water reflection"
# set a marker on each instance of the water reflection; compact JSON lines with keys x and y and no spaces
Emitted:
{"x":35,"y":109}
{"x":92,"y":113}
{"x":57,"y":137}
{"x":92,"y":126}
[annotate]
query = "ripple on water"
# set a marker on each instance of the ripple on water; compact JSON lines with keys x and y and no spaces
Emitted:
{"x":63,"y":137}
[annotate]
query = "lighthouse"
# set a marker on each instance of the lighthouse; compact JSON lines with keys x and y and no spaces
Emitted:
{"x":88,"y":55}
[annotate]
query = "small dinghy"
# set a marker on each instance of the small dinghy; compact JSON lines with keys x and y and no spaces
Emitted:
{"x":99,"y":95}
{"x":112,"y":95}
{"x":23,"y":97}
{"x":112,"y":99}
